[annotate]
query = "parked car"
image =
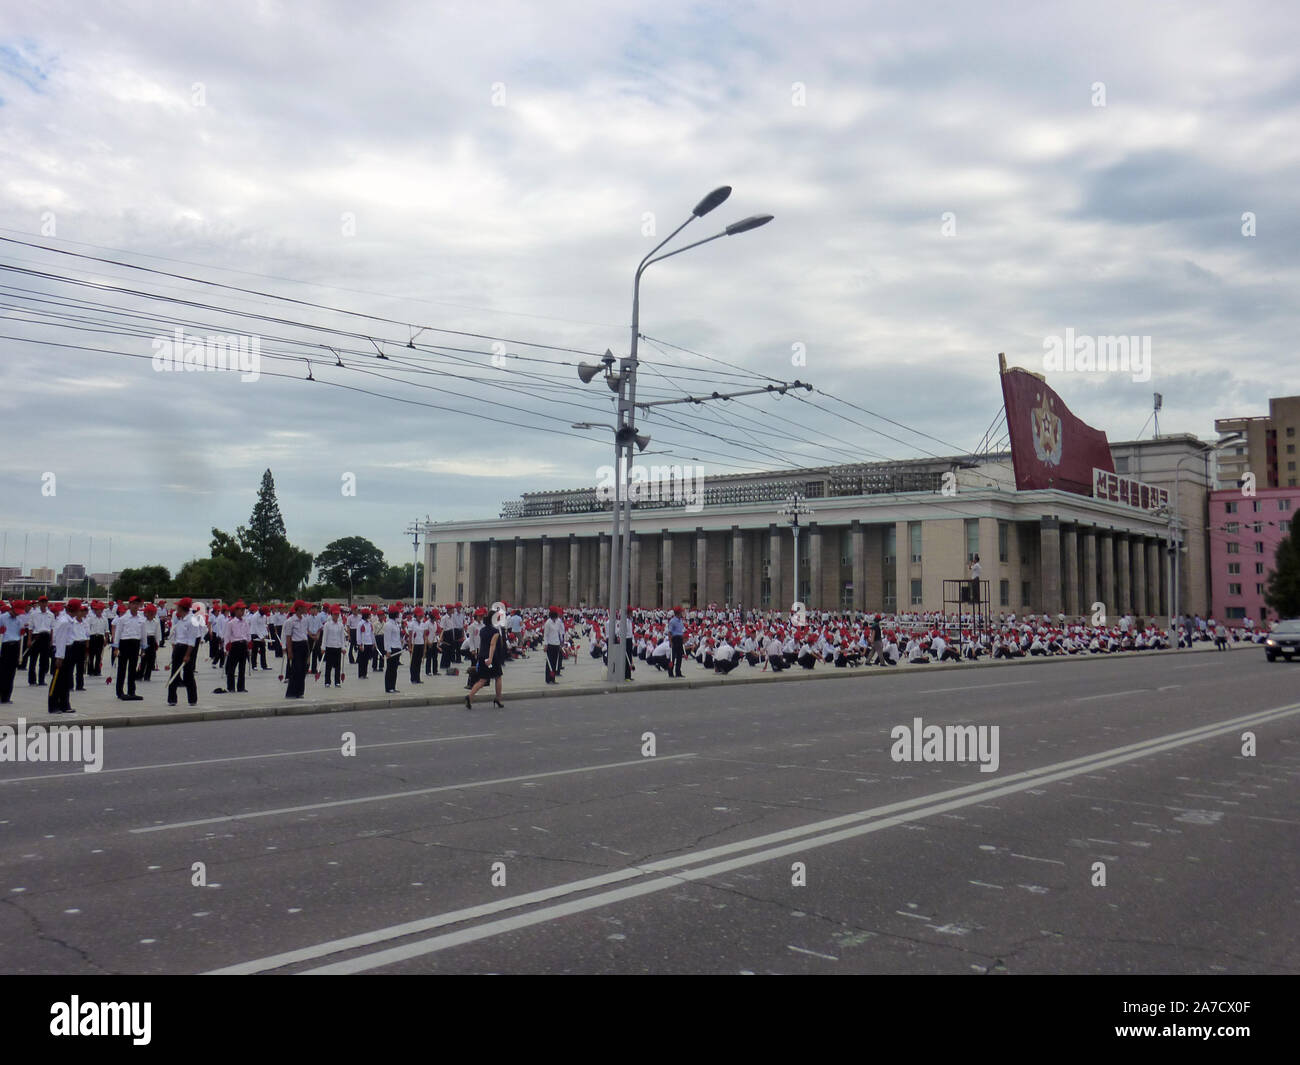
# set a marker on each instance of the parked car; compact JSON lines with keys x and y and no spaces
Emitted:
{"x":1283,"y":640}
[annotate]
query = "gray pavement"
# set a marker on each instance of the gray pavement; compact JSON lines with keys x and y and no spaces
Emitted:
{"x":770,"y":831}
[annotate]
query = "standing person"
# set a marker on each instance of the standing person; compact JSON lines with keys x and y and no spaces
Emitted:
{"x":186,"y":634}
{"x":334,"y":637}
{"x":975,"y":583}
{"x":40,"y":629}
{"x":457,"y":631}
{"x":553,"y":636}
{"x":257,"y":633}
{"x":365,"y":644}
{"x":297,"y":641}
{"x":392,"y":636}
{"x":354,"y":619}
{"x":11,"y":643}
{"x":238,"y":639}
{"x":491,"y":659}
{"x":64,"y":651}
{"x":131,"y":636}
{"x":415,"y":640}
{"x":315,"y":622}
{"x":446,"y":636}
{"x":676,"y":633}
{"x":153,"y":640}
{"x":97,"y":624}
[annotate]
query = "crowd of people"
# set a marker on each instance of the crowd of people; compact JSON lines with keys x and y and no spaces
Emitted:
{"x":68,"y":642}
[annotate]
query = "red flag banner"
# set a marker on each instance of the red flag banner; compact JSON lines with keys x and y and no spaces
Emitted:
{"x":1050,"y":447}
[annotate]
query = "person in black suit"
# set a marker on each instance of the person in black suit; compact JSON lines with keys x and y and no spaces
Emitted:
{"x":491,"y":658}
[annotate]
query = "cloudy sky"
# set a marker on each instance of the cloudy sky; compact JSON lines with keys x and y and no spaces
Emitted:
{"x":337,"y":180}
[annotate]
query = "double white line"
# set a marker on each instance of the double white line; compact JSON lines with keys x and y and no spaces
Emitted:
{"x":765,"y":848}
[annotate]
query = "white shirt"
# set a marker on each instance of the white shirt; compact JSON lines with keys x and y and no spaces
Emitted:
{"x":295,"y":629}
{"x":39,"y":620}
{"x":335,"y":634}
{"x":553,"y":631}
{"x":392,"y":635}
{"x":131,"y":628}
{"x":12,"y":625}
{"x":365,"y":633}
{"x":62,"y":635}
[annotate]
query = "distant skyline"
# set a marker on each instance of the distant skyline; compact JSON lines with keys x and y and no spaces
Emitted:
{"x":948,"y":181}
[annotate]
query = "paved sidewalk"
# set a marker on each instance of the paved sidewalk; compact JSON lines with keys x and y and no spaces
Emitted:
{"x":523,"y":679}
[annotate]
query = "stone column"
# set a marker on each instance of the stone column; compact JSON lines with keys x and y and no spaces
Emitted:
{"x":1155,"y":572}
{"x":815,"y":597}
{"x":1139,"y":552}
{"x":701,"y":567}
{"x":602,"y":574}
{"x":1106,"y":595}
{"x":634,"y":588}
{"x":1089,"y":537}
{"x":858,"y":537}
{"x":574,"y":559}
{"x":667,"y":555}
{"x":546,"y":571}
{"x":737,"y":566}
{"x":774,"y":553}
{"x":902,"y":568}
{"x":1049,"y":566}
{"x":519,"y":569}
{"x":1070,"y":563}
{"x":1122,"y":571}
{"x":494,"y":570}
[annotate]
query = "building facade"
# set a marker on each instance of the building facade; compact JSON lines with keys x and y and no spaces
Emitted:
{"x":1267,"y":448}
{"x":882,"y":537}
{"x":1244,"y":534}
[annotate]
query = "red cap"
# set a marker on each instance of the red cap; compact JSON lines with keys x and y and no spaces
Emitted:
{"x":184,"y":604}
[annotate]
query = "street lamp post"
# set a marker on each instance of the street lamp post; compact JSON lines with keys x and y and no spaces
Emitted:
{"x":794,"y":509}
{"x":1175,"y":524}
{"x":624,"y":384}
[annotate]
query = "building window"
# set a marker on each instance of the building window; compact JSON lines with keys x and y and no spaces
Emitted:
{"x":433,"y":593}
{"x":1236,"y":613}
{"x":433,"y":559}
{"x":1290,"y":466}
{"x":1004,"y":538}
{"x":914,"y":538}
{"x":1284,"y":526}
{"x":1284,"y":505}
{"x":1121,"y":465}
{"x":1234,"y":589}
{"x":972,"y":537}
{"x":916,"y":593}
{"x":889,"y":550}
{"x":460,"y":593}
{"x":765,"y":593}
{"x":846,"y":595}
{"x":1259,"y":589}
{"x":815,"y":489}
{"x":1259,"y":547}
{"x":1024,"y":593}
{"x":1230,"y":508}
{"x":1004,"y":593}
{"x":889,"y":596}
{"x":1259,"y":569}
{"x":1234,"y":549}
{"x":1233,"y":527}
{"x":1290,"y":430}
{"x":1234,"y":568}
{"x":1256,"y":505}
{"x":846,"y":547}
{"x":1290,"y":449}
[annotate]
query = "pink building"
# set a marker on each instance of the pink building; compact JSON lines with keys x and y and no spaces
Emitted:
{"x":1244,"y":534}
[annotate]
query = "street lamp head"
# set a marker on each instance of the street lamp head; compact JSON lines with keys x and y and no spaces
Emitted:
{"x":712,"y":200}
{"x":746,"y":224}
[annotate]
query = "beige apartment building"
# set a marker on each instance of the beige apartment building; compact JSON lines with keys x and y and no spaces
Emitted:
{"x":1267,"y":447}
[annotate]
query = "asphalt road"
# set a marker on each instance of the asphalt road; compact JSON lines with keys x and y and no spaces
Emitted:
{"x":540,"y":838}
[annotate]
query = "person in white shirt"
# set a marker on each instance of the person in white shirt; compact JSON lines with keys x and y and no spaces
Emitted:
{"x":237,"y":637}
{"x":334,"y":637}
{"x":724,"y":658}
{"x":97,"y":625}
{"x":187,"y":633}
{"x":315,"y":622}
{"x":916,"y":655}
{"x":392,"y":649}
{"x":354,"y":619}
{"x":297,"y":645}
{"x":11,"y":645}
{"x":40,"y":629}
{"x":553,"y":638}
{"x":365,"y":644}
{"x":63,"y":641}
{"x":131,"y":637}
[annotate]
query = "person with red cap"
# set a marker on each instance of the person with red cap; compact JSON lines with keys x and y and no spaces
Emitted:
{"x":11,"y":643}
{"x":97,"y":625}
{"x":67,"y":649}
{"x":40,"y":630}
{"x":334,"y":638}
{"x":153,"y":640}
{"x":131,"y":634}
{"x":392,"y":649}
{"x":187,"y":633}
{"x":415,"y":640}
{"x":365,"y":644}
{"x":257,"y":632}
{"x":238,"y":637}
{"x":297,"y":641}
{"x":457,"y":632}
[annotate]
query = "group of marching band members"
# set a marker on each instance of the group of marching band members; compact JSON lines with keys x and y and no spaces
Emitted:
{"x":67,"y":641}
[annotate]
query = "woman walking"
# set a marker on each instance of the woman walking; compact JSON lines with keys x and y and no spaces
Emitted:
{"x":491,"y":657}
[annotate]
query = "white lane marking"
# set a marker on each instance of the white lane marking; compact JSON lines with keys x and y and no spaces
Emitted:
{"x":974,"y":687}
{"x":405,"y":794}
{"x":814,"y":953}
{"x":1111,"y":695}
{"x":977,"y":793}
{"x":247,"y":757}
{"x":1031,"y":858}
{"x":469,"y":935}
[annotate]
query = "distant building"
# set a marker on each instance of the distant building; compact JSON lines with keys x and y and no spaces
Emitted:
{"x":1267,"y":447}
{"x":72,"y":572}
{"x":10,"y":573}
{"x":1244,"y":534}
{"x":105,"y":580}
{"x":42,"y":574}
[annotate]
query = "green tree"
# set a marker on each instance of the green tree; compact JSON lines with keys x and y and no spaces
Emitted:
{"x":211,"y":578}
{"x":148,"y":582}
{"x":395,"y":583}
{"x":276,"y":567}
{"x":1283,"y":590}
{"x":350,"y":563}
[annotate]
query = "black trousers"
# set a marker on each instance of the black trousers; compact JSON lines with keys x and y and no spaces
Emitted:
{"x":128,"y":654}
{"x":352,"y":645}
{"x":186,"y":674}
{"x":61,"y":684}
{"x":315,"y":655}
{"x":430,"y":659}
{"x":675,"y":666}
{"x":296,"y":671}
{"x":258,"y":654}
{"x":417,"y":654}
{"x":9,"y":653}
{"x":333,"y":663}
{"x":95,"y":656}
{"x":38,"y":655}
{"x":553,"y":657}
{"x":148,"y":659}
{"x":390,"y":672}
{"x":236,"y":659}
{"x":79,"y":665}
{"x":446,"y":655}
{"x":457,"y":638}
{"x":365,"y":652}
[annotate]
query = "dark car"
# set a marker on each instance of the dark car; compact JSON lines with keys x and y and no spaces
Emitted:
{"x":1284,"y":640}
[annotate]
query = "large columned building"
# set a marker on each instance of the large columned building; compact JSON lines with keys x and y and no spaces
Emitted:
{"x":882,"y":537}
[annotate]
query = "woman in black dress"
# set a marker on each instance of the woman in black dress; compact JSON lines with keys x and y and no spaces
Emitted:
{"x":491,"y":657}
